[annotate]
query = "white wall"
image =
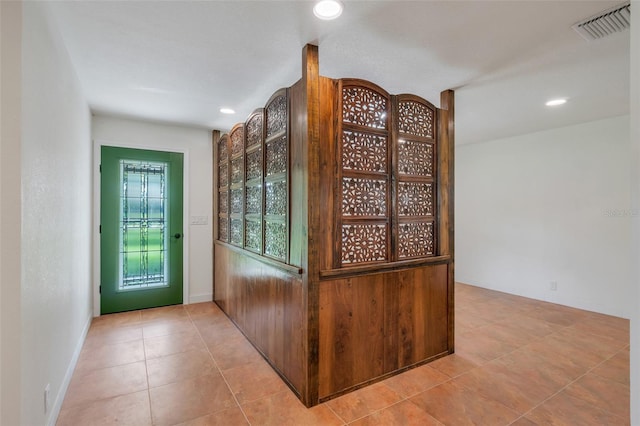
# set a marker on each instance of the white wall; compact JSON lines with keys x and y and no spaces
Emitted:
{"x":10,"y":210}
{"x":55,"y":300}
{"x":196,"y":143}
{"x":548,"y":206}
{"x":635,"y":185}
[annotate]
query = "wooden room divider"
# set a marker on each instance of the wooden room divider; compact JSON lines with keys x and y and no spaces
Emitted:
{"x":333,"y":250}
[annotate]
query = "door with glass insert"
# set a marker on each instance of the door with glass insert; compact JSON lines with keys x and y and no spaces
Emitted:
{"x":141,"y":235}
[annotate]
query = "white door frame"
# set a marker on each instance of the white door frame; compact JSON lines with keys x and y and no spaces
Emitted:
{"x":97,"y":145}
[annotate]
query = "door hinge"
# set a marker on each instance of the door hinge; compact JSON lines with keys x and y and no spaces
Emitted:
{"x":100,"y":168}
{"x":100,"y":229}
{"x":100,"y":290}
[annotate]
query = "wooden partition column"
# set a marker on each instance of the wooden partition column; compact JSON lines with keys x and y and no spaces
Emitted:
{"x":339,"y":268}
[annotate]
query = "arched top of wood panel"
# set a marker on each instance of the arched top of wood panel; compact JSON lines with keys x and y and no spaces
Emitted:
{"x":416,"y":117}
{"x":277,"y":113}
{"x":254,"y":127}
{"x":365,"y":104}
{"x":237,"y":139}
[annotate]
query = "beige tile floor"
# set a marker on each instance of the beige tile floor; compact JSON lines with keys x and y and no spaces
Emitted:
{"x":518,"y":361}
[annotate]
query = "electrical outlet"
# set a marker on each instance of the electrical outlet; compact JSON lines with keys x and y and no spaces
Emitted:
{"x":47,"y":389}
{"x":198,"y":220}
{"x":553,"y":286}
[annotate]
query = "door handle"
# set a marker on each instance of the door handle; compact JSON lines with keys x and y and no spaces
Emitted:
{"x":177,"y":236}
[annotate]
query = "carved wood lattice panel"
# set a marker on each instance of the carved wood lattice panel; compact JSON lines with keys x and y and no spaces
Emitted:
{"x":363,"y":243}
{"x":276,"y":157}
{"x":277,"y":116}
{"x":236,"y":170}
{"x":254,"y":200}
{"x":237,"y":141}
{"x":223,"y":175}
{"x":364,"y":197}
{"x":364,"y":107}
{"x":415,"y":240}
{"x":254,"y":164}
{"x":236,"y":201}
{"x":364,"y":152}
{"x":236,"y":232}
{"x":415,"y":199}
{"x":275,"y":239}
{"x":253,"y":235}
{"x":223,"y":202}
{"x":276,"y":198}
{"x":415,"y":158}
{"x":254,"y":131}
{"x":223,"y":229}
{"x":415,"y":118}
{"x":223,"y":152}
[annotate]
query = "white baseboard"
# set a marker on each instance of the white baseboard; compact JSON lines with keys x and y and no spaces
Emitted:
{"x":199,"y":298}
{"x":57,"y":405}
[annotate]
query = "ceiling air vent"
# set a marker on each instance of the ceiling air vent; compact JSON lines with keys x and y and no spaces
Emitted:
{"x":605,"y":23}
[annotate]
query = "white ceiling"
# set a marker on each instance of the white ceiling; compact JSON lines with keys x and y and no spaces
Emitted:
{"x":181,"y":61}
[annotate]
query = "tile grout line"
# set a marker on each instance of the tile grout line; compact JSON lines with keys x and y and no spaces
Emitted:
{"x":562,"y":327}
{"x":403,"y":399}
{"x":336,"y":414}
{"x":569,"y":384}
{"x":219,"y":370}
{"x":146,"y":370}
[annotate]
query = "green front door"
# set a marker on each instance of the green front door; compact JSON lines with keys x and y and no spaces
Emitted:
{"x":140,"y":229}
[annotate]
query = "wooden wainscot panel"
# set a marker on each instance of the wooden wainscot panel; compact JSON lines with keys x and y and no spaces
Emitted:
{"x":374,"y":325}
{"x":265,"y":302}
{"x":351,"y":332}
{"x":416,"y":316}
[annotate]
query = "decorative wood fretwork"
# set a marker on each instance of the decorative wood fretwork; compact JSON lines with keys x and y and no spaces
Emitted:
{"x":415,"y":119}
{"x":275,"y":240}
{"x":253,"y":235}
{"x":364,"y":152}
{"x":364,"y":197}
{"x":254,"y":130}
{"x":223,"y":150}
{"x":276,"y":156}
{"x":277,"y":116}
{"x":364,"y":107}
{"x":236,"y":201}
{"x":364,"y":158}
{"x":223,"y":202}
{"x":223,"y":188}
{"x":276,"y":198}
{"x":223,"y":175}
{"x":223,"y":229}
{"x":375,"y":192}
{"x":236,"y":170}
{"x":415,"y":240}
{"x":415,"y":158}
{"x":416,"y":182}
{"x":236,"y":232}
{"x":363,"y":243}
{"x":415,"y":199}
{"x":253,"y":204}
{"x":237,"y":141}
{"x":254,"y":165}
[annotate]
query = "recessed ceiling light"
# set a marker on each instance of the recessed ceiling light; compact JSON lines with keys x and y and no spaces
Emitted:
{"x":227,"y":111}
{"x":328,"y":9}
{"x":556,"y":102}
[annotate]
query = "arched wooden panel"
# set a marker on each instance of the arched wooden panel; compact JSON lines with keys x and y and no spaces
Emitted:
{"x":364,"y":179}
{"x":276,"y":179}
{"x":223,"y":188}
{"x":254,"y":168}
{"x":416,"y":203}
{"x":236,"y":184}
